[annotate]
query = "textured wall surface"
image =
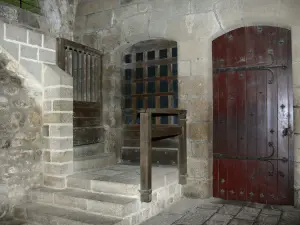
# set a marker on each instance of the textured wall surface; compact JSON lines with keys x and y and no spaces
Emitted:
{"x":20,"y":134}
{"x":113,"y":26}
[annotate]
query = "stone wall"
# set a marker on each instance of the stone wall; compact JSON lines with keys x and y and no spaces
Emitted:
{"x":55,"y":19}
{"x":113,"y":26}
{"x":34,"y":115}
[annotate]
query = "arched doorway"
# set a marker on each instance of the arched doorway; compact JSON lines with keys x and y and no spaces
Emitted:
{"x":253,"y":115}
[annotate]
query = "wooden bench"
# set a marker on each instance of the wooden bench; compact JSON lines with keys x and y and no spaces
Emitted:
{"x":149,"y":133}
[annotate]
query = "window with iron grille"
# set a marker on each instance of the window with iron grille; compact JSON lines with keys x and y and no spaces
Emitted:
{"x":30,"y":5}
{"x":150,"y":79}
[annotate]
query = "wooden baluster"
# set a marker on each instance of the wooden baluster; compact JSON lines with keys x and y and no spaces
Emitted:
{"x":182,"y":154}
{"x":146,"y":156}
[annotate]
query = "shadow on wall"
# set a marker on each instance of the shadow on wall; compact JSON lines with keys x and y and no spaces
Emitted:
{"x":20,"y":139}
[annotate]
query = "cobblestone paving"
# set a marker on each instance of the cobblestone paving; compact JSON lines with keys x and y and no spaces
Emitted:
{"x":219,"y":212}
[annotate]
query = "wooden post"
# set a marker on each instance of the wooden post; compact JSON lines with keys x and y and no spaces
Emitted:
{"x":146,"y":156}
{"x":60,"y":53}
{"x":182,"y":154}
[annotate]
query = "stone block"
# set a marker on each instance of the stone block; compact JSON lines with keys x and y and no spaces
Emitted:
{"x":198,"y":189}
{"x":42,"y":196}
{"x":11,"y":48}
{"x":58,"y":143}
{"x":79,"y":183}
{"x":99,"y":21}
{"x":69,"y":201}
{"x":198,"y":109}
{"x":267,"y":11}
{"x":199,"y":149}
{"x":55,"y":182}
{"x":199,"y":131}
{"x":47,"y":156}
{"x":296,"y":44}
{"x":230,"y":210}
{"x":61,"y":156}
{"x":47,"y":56}
{"x":35,"y":38}
{"x":58,"y":92}
{"x":60,"y":131}
{"x":202,"y":67}
{"x":124,"y":12}
{"x":229,"y":14}
{"x":157,"y":26}
{"x":35,"y":68}
{"x":184,"y":68}
{"x":296,"y":73}
{"x":53,"y":75}
{"x":187,"y":50}
{"x":90,"y":7}
{"x":193,"y":26}
{"x":219,"y":218}
{"x":202,"y":6}
{"x":58,"y":168}
{"x":58,"y":118}
{"x":144,"y":7}
{"x":80,"y":24}
{"x":297,"y":147}
{"x":62,"y":105}
{"x":28,"y":52}
{"x":287,"y":13}
{"x":297,"y":120}
{"x":49,"y":42}
{"x":163,"y":219}
{"x":198,"y":169}
{"x":297,"y":175}
{"x":47,"y":105}
{"x":192,"y":87}
{"x":16,"y":33}
{"x":135,"y":28}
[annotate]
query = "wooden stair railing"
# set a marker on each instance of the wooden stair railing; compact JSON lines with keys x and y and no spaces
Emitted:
{"x":149,"y":133}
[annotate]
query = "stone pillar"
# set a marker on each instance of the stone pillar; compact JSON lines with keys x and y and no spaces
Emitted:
{"x":112,"y":105}
{"x":57,"y":126}
{"x":296,"y":91}
{"x":195,"y":95}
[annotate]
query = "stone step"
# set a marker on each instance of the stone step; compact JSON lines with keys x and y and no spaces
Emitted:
{"x":104,"y":204}
{"x":94,"y":162}
{"x":101,"y":186}
{"x":49,"y":215}
{"x":88,"y":150}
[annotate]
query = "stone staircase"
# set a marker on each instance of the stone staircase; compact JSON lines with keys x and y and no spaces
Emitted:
{"x":88,"y":157}
{"x":107,"y":196}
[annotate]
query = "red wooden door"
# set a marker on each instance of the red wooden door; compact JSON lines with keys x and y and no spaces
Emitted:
{"x":253,"y":116}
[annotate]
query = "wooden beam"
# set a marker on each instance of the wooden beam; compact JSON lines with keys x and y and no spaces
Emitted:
{"x":146,"y":157}
{"x":182,"y":150}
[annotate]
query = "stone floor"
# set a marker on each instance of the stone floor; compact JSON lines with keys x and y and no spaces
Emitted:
{"x":219,"y":212}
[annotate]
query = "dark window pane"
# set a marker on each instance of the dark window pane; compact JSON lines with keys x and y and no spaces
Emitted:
{"x":127,"y":89}
{"x":175,"y":86}
{"x":164,"y":102}
{"x":139,"y":103}
{"x":174,"y":69}
{"x":163,"y":53}
{"x":163,"y":70}
{"x":163,"y":86}
{"x":151,"y":102}
{"x":128,"y":58}
{"x":151,"y":87}
{"x":128,"y":104}
{"x":128,"y":118}
{"x":164,"y":120}
{"x":174,"y":52}
{"x":175,"y":120}
{"x":175,"y":102}
{"x":128,"y":73}
{"x":151,"y":71}
{"x":139,"y":88}
{"x":139,"y":57}
{"x":151,"y":55}
{"x":139,"y":73}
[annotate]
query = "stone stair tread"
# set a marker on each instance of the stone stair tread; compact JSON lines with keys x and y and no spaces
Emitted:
{"x":120,"y":200}
{"x":94,"y":157}
{"x":69,"y":214}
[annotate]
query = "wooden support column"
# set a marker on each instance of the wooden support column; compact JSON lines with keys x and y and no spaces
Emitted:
{"x":146,"y":156}
{"x":182,"y":154}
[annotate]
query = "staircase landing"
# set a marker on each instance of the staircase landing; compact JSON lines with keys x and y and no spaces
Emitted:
{"x":110,"y":195}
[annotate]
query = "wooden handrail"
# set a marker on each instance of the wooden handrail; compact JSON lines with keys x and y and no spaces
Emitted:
{"x":147,"y":133}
